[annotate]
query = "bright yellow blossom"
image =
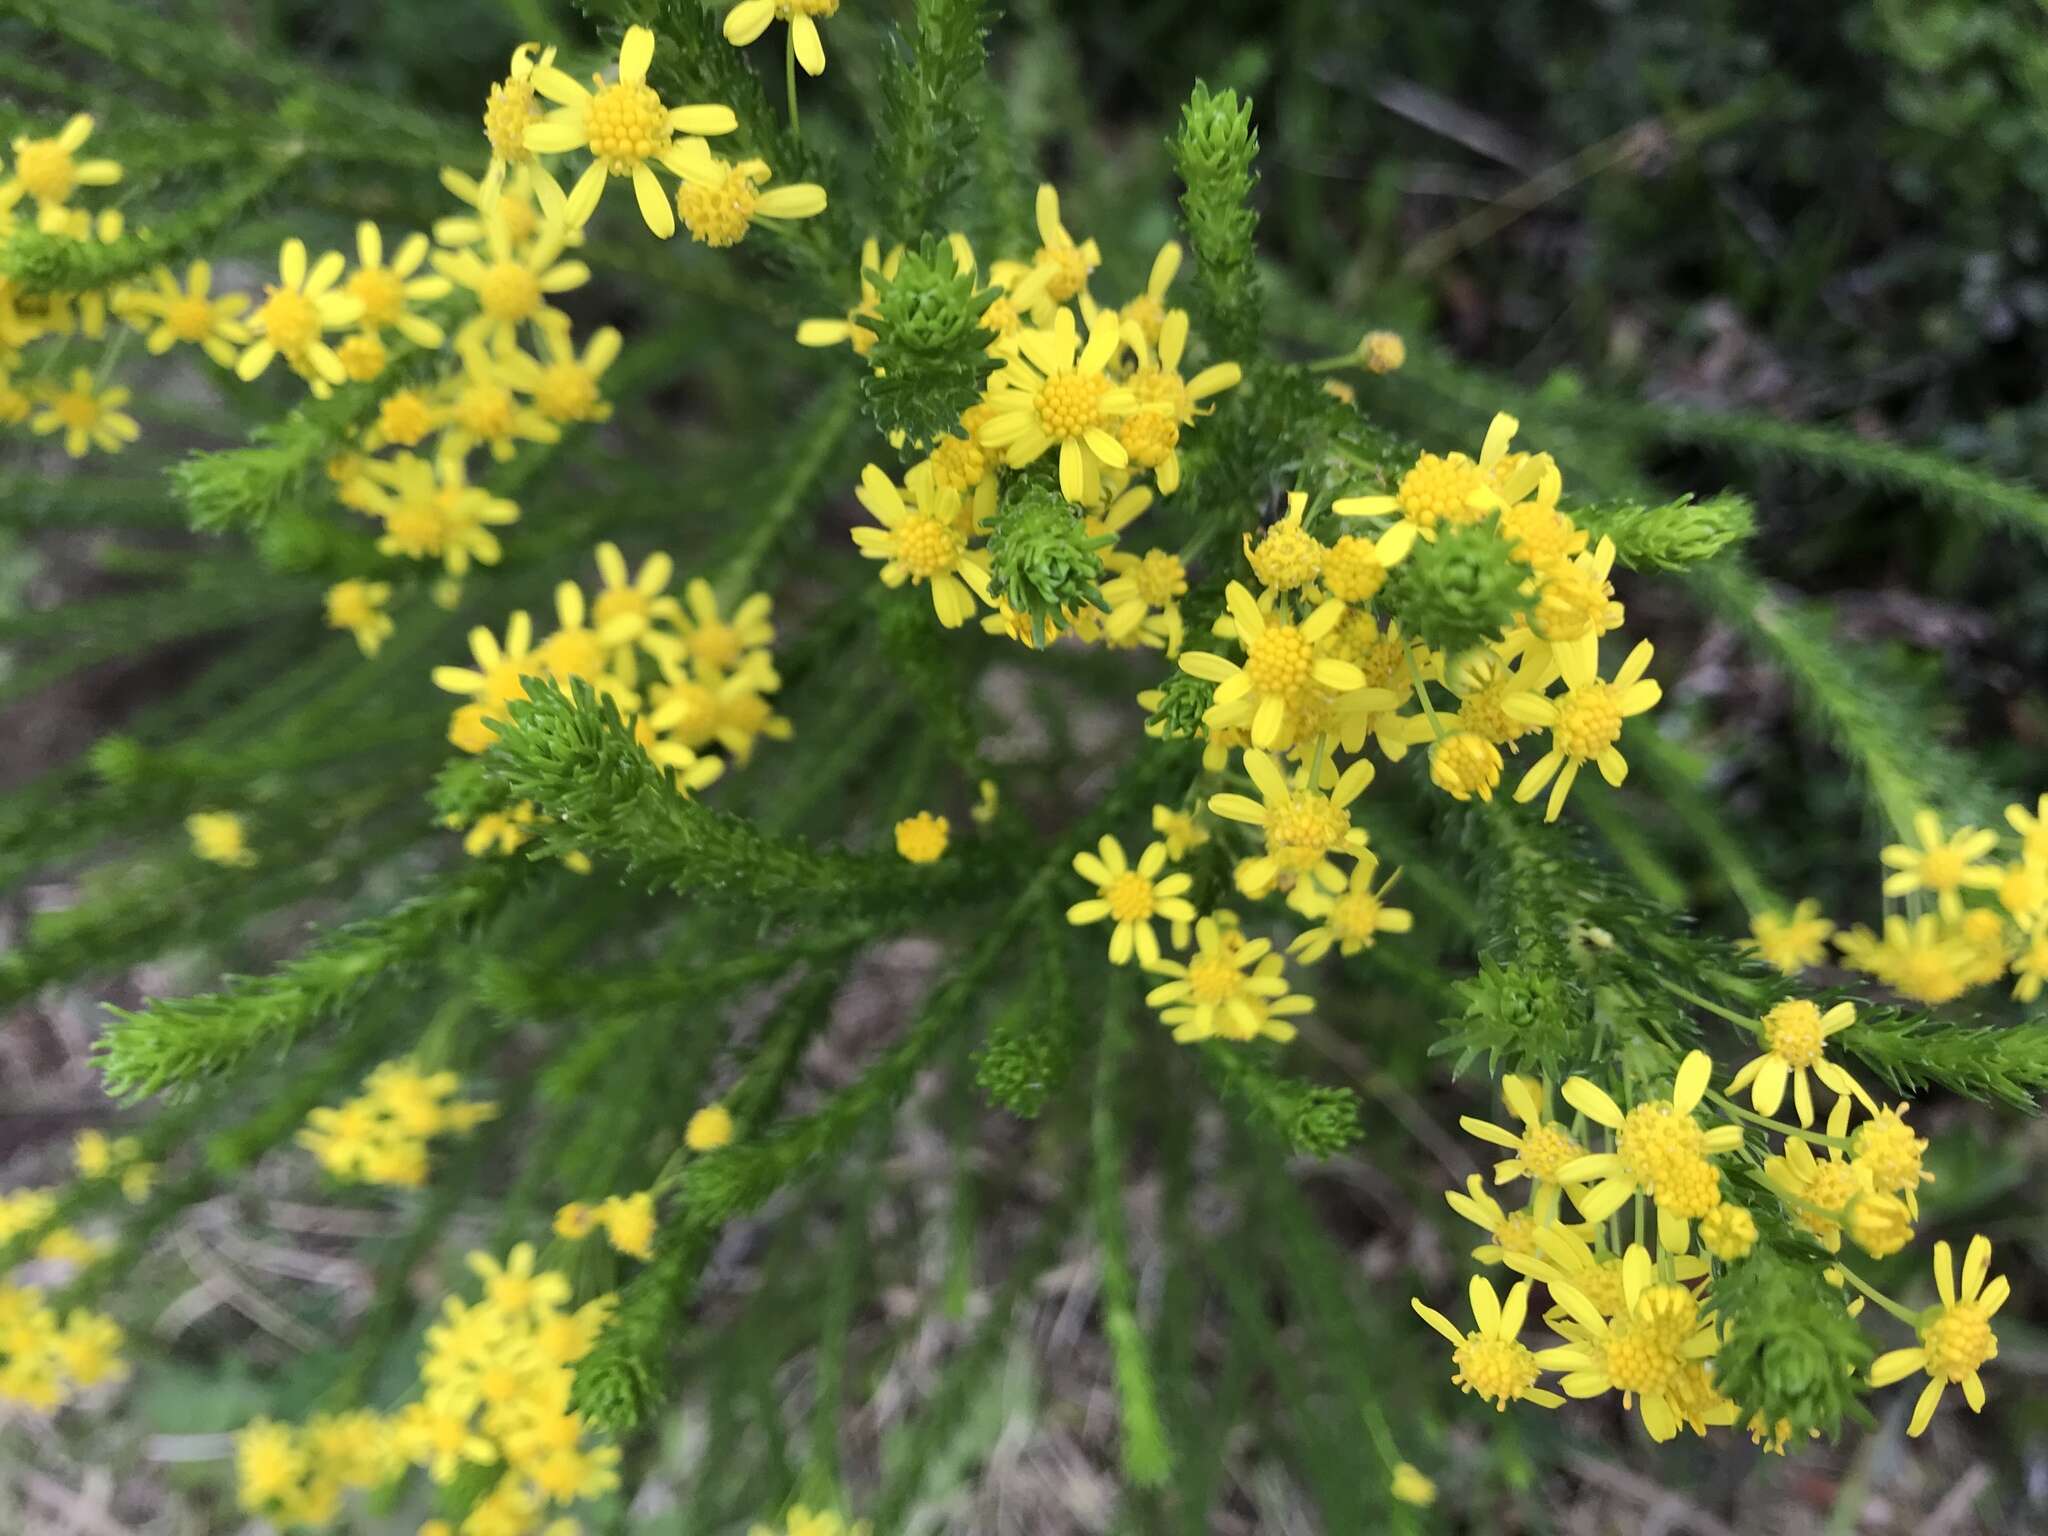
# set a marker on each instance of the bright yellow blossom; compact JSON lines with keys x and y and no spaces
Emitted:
{"x":1943,"y":866}
{"x":1130,"y":897}
{"x":89,"y":417}
{"x":1955,"y":1336}
{"x":748,"y":19}
{"x":922,"y":838}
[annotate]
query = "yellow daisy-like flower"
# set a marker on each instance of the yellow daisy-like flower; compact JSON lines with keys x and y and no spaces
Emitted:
{"x":1540,"y":1148}
{"x":484,"y":412}
{"x":49,"y":170}
{"x":1643,"y":1352}
{"x":191,"y":314}
{"x":1446,"y":488}
{"x":750,"y":18}
{"x":1792,"y":942}
{"x":1585,"y":727}
{"x":919,"y":541}
{"x":1661,"y":1150}
{"x":1513,"y":1238}
{"x":511,"y":109}
{"x":1945,"y":866}
{"x":2030,"y":965}
{"x":1181,"y":831}
{"x":566,"y":387}
{"x":1353,"y":919}
{"x":709,"y":1129}
{"x":385,"y":290}
{"x":1230,"y":988}
{"x":1955,"y":1336}
{"x":629,"y":604}
{"x":719,"y":200}
{"x":1059,"y":271}
{"x":1355,"y":567}
{"x":358,"y":607}
{"x":1166,"y":401}
{"x":2031,"y":829}
{"x":430,"y":511}
{"x":1283,"y":665}
{"x":718,"y":644}
{"x":1130,"y":897}
{"x":88,"y":417}
{"x":1286,"y":557}
{"x":219,"y":837}
{"x":512,"y":284}
{"x":495,"y":681}
{"x":1381,"y":351}
{"x":627,"y":129}
{"x":1058,"y":392}
{"x":1492,"y":1361}
{"x":1148,"y":310}
{"x":295,"y":315}
{"x":1305,"y":828}
{"x":922,"y":838}
{"x":1795,"y":1036}
{"x":1575,"y":606}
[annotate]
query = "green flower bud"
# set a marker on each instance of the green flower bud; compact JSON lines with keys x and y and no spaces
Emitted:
{"x":1042,"y":559}
{"x":929,"y":360}
{"x":1460,"y":591}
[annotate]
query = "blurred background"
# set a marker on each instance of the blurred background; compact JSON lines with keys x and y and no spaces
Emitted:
{"x":1825,"y":213}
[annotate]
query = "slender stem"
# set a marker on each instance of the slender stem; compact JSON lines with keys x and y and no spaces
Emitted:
{"x":789,"y":78}
{"x":1909,"y":1319}
{"x":1700,"y":1002}
{"x":1332,"y":364}
{"x":1422,"y":693}
{"x":1779,"y":1126}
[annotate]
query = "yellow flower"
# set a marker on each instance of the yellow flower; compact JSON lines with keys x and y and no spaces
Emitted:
{"x":1355,"y":567}
{"x":575,"y":1221}
{"x":1585,"y":727}
{"x":709,"y":1129}
{"x":719,"y":200}
{"x":1305,"y":828}
{"x":1643,"y":1352}
{"x":1284,"y":664}
{"x":1381,"y":351}
{"x":922,"y":838}
{"x":1230,"y":988}
{"x":1442,"y":488}
{"x":220,"y":838}
{"x":1352,"y":920}
{"x":1923,"y":958}
{"x":512,"y":284}
{"x":1180,"y":830}
{"x":565,"y":388}
{"x":88,"y":418}
{"x":48,"y":170}
{"x":2030,"y":965}
{"x":1167,"y":402}
{"x":716,"y":645}
{"x":1492,"y":1361}
{"x":629,"y":1223}
{"x":1540,"y":1148}
{"x":630,"y":604}
{"x":1661,"y":1150}
{"x":627,"y":130}
{"x":748,"y":19}
{"x":1058,"y":392}
{"x":1147,"y":311}
{"x":1792,"y":942}
{"x":383,"y":291}
{"x":1286,"y":557}
{"x":852,"y":330}
{"x":1410,"y":1486}
{"x":2032,"y":829}
{"x":1130,"y":897}
{"x":496,"y":680}
{"x":1795,"y":1035}
{"x":295,"y":315}
{"x":191,"y":314}
{"x":484,"y":412}
{"x":920,"y":541}
{"x":1463,"y":764}
{"x":1945,"y":866}
{"x":358,"y":607}
{"x":1955,"y":1336}
{"x":430,"y":511}
{"x":1059,"y":271}
{"x":509,"y":112}
{"x":1728,"y":1232}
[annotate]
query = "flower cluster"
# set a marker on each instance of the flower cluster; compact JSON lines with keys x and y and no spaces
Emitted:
{"x":495,"y":1376}
{"x":1968,"y":914}
{"x":628,"y":1222}
{"x":1096,"y":394}
{"x":384,"y":1134}
{"x":1639,"y":1317}
{"x":47,"y":1360}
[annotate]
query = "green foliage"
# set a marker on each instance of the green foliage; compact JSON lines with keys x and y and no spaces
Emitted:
{"x":1461,"y":589}
{"x":1032,"y":1045}
{"x":1796,"y":1355}
{"x":930,"y":357}
{"x":1312,"y":1119}
{"x":1214,"y":152}
{"x":937,"y":69}
{"x":38,"y":263}
{"x":2003,"y":1062}
{"x":1041,"y":558}
{"x":1672,"y":536}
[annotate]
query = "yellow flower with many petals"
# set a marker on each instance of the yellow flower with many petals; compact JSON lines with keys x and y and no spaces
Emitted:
{"x":920,"y":541}
{"x":1792,"y":942}
{"x":1284,"y":665}
{"x":1130,"y":897}
{"x":295,"y":315}
{"x":1492,"y":1361}
{"x":1795,"y":1035}
{"x":1057,"y":392}
{"x":1955,"y":1336}
{"x":89,"y":417}
{"x":1229,"y":988}
{"x":719,"y":200}
{"x":748,"y":19}
{"x":1942,"y":866}
{"x":1585,"y":727}
{"x":1305,"y":828}
{"x":1661,"y":1150}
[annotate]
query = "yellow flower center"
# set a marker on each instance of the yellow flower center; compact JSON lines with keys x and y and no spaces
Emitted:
{"x":957,"y":464}
{"x":521,"y":218}
{"x":719,"y":216}
{"x":566,"y":392}
{"x":44,"y":166}
{"x":417,"y":528}
{"x":1545,"y":1149}
{"x":1352,"y":569}
{"x":1436,"y":488}
{"x":1069,"y":271}
{"x":1287,"y":557}
{"x":404,"y":418}
{"x":1464,"y":765}
{"x":1660,"y":1147}
{"x":1356,"y":917}
{"x":506,"y":116}
{"x":1885,"y":1147}
{"x":1588,"y":721}
{"x":1641,"y":1358}
{"x":1958,"y":1341}
{"x":1212,"y":978}
{"x":1304,"y":828}
{"x":1129,"y":896}
{"x":349,"y":605}
{"x":1070,"y":403}
{"x":380,"y":292}
{"x":1481,"y":712}
{"x":926,"y":546}
{"x":1148,"y":314}
{"x":509,"y":292}
{"x":1499,"y":1370}
{"x":717,"y":644}
{"x":1148,"y":437}
{"x":1575,"y":603}
{"x":618,"y":602}
{"x":1002,"y":318}
{"x":627,"y":125}
{"x":1278,"y":661}
{"x":575,"y":653}
{"x":1160,"y":578}
{"x":1941,"y":868}
{"x":486,"y":411}
{"x":288,"y":319}
{"x":1539,"y":536}
{"x":190,"y":318}
{"x":362,"y":356}
{"x":1157,"y":388}
{"x":1792,"y":1030}
{"x":77,"y":409}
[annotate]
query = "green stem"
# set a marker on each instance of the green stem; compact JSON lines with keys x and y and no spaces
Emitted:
{"x":1422,"y":693}
{"x":1700,"y":1002}
{"x":1779,"y":1126}
{"x":1911,"y":1320}
{"x":789,"y":79}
